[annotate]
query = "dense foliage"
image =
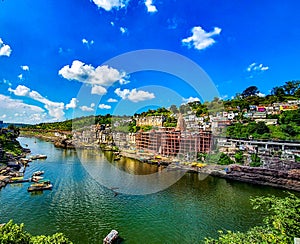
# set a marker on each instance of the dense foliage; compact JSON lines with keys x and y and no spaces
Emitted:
{"x":13,"y":233}
{"x":68,"y":125}
{"x":280,"y":226}
{"x":8,"y":140}
{"x":287,"y":129}
{"x":225,"y":159}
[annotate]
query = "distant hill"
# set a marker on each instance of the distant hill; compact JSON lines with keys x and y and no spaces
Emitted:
{"x":19,"y":125}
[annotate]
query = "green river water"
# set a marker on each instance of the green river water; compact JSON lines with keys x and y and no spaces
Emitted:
{"x":187,"y":212}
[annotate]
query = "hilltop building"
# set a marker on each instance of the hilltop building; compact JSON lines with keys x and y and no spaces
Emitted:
{"x":150,"y":120}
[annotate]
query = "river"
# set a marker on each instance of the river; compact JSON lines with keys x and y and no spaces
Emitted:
{"x":187,"y":212}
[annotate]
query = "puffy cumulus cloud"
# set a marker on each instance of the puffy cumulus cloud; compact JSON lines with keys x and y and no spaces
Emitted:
{"x":200,"y":38}
{"x":102,"y":75}
{"x":86,"y":108}
{"x":257,"y":67}
{"x":20,"y":90}
{"x":104,"y":106}
{"x":17,"y":111}
{"x":112,"y":100}
{"x":72,"y":104}
{"x":24,"y":67}
{"x":108,"y":5}
{"x":134,"y":95}
{"x":123,"y":30}
{"x":55,"y":109}
{"x":191,"y":99}
{"x":5,"y":49}
{"x":150,"y":7}
{"x":98,"y":90}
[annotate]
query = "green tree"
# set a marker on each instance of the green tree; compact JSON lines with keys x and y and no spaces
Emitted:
{"x":262,"y":128}
{"x":12,"y":233}
{"x":174,"y":109}
{"x":239,"y":158}
{"x":280,"y":226}
{"x":278,"y":91}
{"x":291,"y":86}
{"x":250,"y":91}
{"x":255,"y":160}
{"x":225,"y":159}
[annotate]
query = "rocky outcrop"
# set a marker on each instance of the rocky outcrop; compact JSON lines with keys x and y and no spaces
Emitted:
{"x":287,"y":179}
{"x":64,"y":143}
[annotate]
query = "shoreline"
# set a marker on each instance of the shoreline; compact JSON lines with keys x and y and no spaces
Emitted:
{"x":289,"y":180}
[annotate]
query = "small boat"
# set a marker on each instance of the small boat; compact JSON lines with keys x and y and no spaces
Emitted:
{"x":36,"y":178}
{"x":38,"y":156}
{"x":39,"y":187}
{"x":17,"y":180}
{"x":111,"y":237}
{"x":38,"y":173}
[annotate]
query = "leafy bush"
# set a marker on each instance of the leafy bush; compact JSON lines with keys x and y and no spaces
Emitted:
{"x":12,"y":233}
{"x":281,"y":225}
{"x":225,"y":159}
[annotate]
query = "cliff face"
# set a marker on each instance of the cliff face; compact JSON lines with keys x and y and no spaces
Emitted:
{"x":287,"y":179}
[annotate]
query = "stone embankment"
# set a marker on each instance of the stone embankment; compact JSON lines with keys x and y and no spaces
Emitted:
{"x":286,"y":179}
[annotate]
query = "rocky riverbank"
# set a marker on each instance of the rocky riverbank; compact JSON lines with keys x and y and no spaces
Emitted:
{"x":288,"y":179}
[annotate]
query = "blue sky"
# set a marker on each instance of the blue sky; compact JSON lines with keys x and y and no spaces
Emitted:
{"x":54,"y":55}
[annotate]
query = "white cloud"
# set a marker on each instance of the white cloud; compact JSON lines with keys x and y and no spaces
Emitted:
{"x":254,"y":67}
{"x":87,"y":43}
{"x":191,"y":99}
{"x":25,"y":113}
{"x":93,"y":105}
{"x":102,"y":75}
{"x":5,"y":49}
{"x":123,"y":30}
{"x":99,"y":90}
{"x":200,"y":38}
{"x":86,"y":108}
{"x":261,"y":94}
{"x":17,"y":105}
{"x":20,"y":76}
{"x":20,"y":90}
{"x":55,"y":109}
{"x":112,"y":100}
{"x":110,"y":4}
{"x":150,"y":7}
{"x":25,"y":67}
{"x":134,"y":95}
{"x":6,"y":82}
{"x":104,"y":106}
{"x":3,"y":116}
{"x":112,"y":23}
{"x":72,"y":104}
